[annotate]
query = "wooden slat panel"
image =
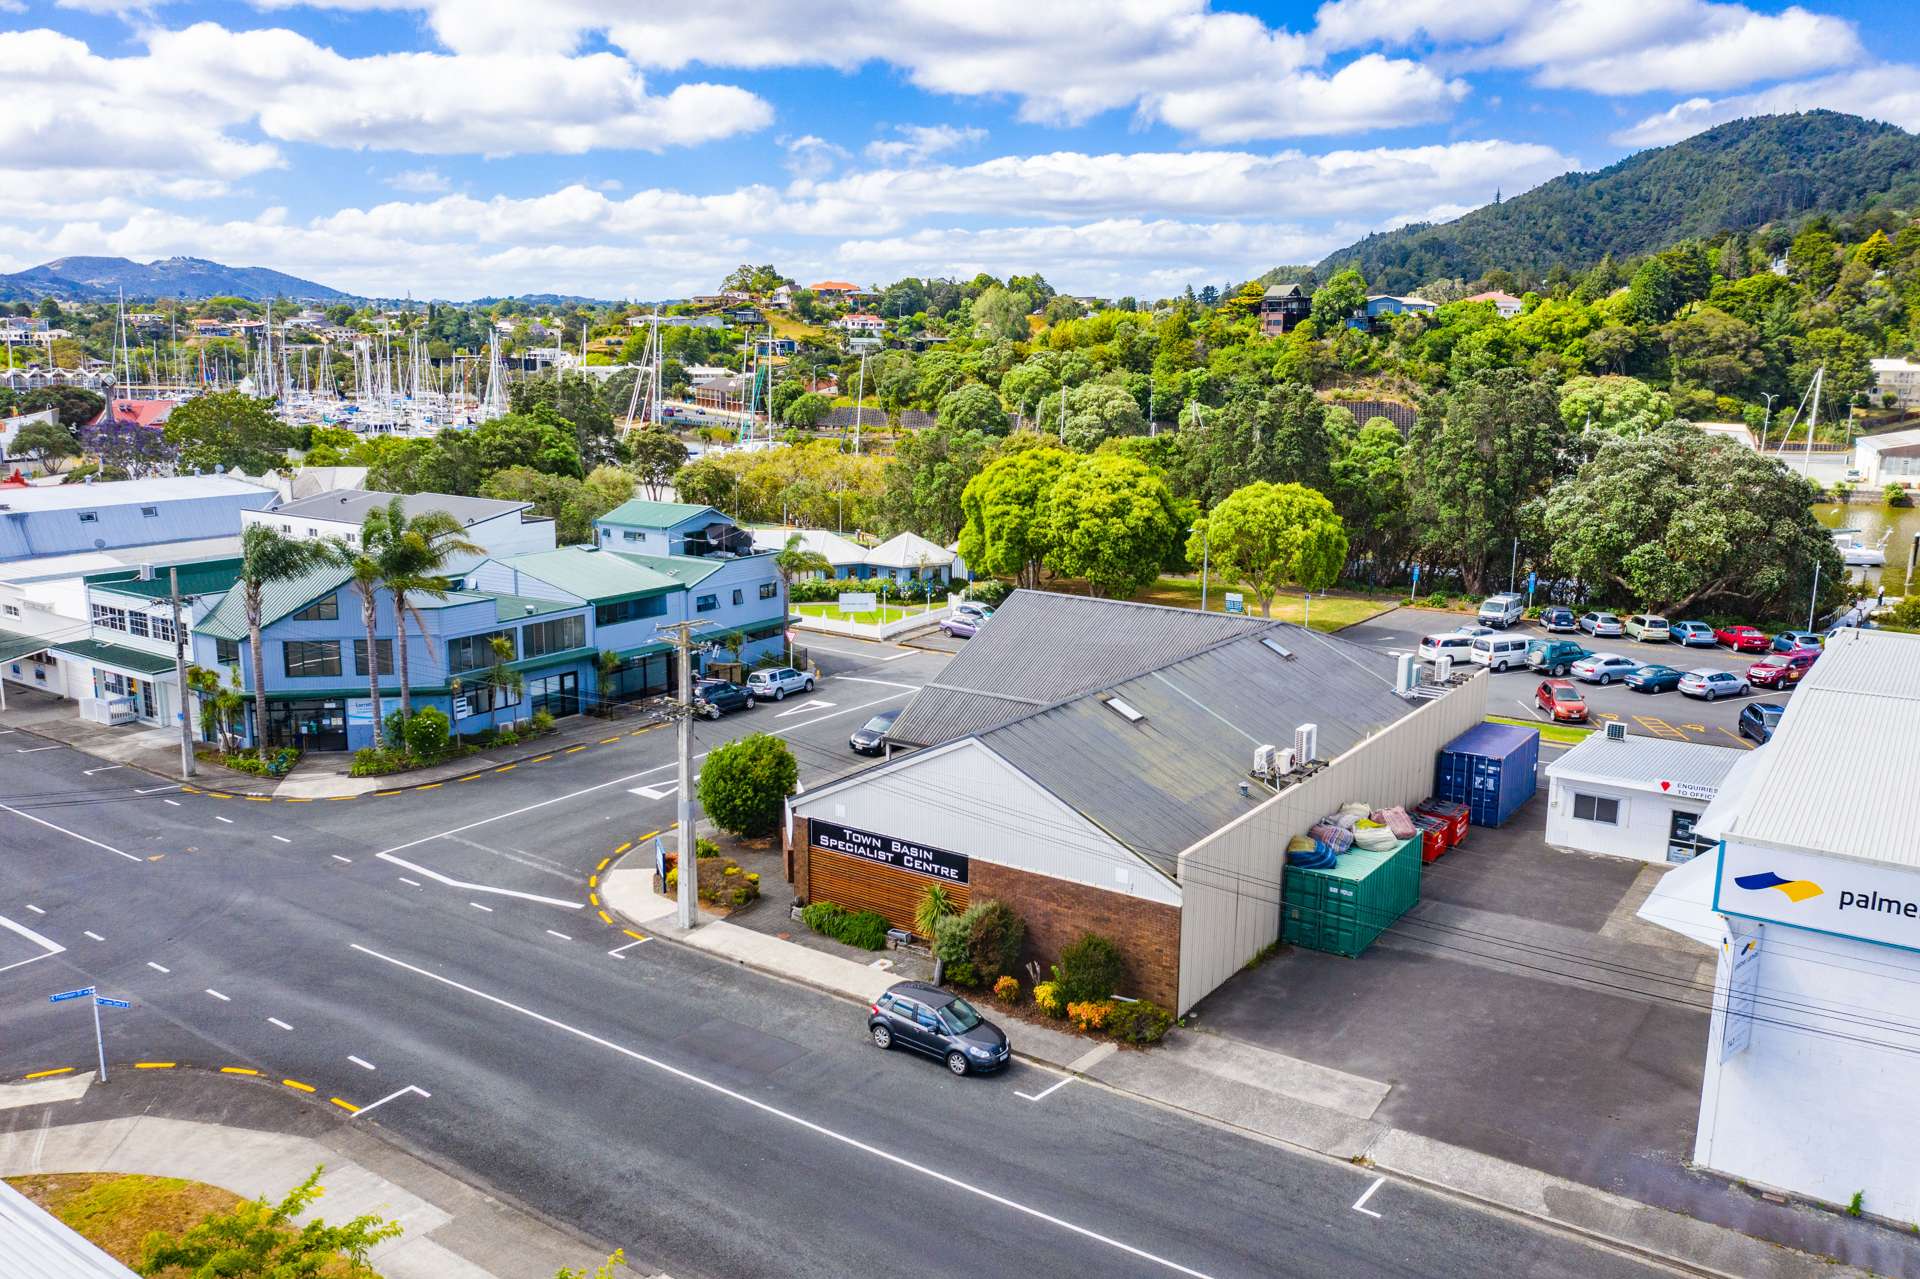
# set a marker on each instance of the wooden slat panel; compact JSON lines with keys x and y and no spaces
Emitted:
{"x":858,"y":884}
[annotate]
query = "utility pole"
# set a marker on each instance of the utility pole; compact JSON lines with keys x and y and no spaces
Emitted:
{"x":1206,"y":557}
{"x":688,"y":898}
{"x":1814,"y":602}
{"x":180,"y":674}
{"x":1766,"y":425}
{"x":1513,"y":566}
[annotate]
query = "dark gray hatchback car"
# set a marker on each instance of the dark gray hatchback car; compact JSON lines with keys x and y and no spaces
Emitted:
{"x":927,"y":1019}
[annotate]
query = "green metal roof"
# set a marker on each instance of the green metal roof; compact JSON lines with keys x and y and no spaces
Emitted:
{"x":686,"y":570}
{"x":228,"y":620}
{"x":211,"y":578}
{"x":13,"y":644}
{"x":640,"y":513}
{"x":518,"y":608}
{"x":115,"y":655}
{"x":645,"y":650}
{"x":596,"y":576}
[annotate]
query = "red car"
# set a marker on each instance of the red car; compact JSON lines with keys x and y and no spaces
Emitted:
{"x":1782,"y":670}
{"x":1560,"y":699}
{"x":1744,"y":639}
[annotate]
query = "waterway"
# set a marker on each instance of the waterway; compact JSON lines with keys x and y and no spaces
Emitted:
{"x":1874,"y":520}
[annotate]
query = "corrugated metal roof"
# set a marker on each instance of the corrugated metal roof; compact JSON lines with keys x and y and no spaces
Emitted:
{"x":13,"y":644}
{"x":836,"y":549}
{"x":1647,"y":761}
{"x":118,"y":558}
{"x":640,"y":513}
{"x":909,"y":550}
{"x":592,"y":575}
{"x":78,"y":497}
{"x":684,"y":569}
{"x":228,"y":620}
{"x":211,"y":578}
{"x":352,"y":506}
{"x":1041,"y":648}
{"x":518,"y":608}
{"x":118,"y":656}
{"x":1837,"y":776}
{"x":41,"y":1245}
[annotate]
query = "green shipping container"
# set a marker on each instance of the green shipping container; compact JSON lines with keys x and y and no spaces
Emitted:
{"x":1343,"y":908}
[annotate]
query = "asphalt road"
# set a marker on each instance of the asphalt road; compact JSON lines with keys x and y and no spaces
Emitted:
{"x":710,"y":1120}
{"x":1670,"y":715}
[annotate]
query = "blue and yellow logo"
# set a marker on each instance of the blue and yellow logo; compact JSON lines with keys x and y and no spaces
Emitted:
{"x":1796,"y":890}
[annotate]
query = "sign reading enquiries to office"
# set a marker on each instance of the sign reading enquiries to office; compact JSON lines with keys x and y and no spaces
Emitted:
{"x":888,"y":851}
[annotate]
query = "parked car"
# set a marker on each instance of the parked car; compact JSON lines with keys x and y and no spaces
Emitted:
{"x":715,"y":697}
{"x":871,"y":737}
{"x":1558,"y":619}
{"x":1503,"y":610}
{"x":1498,"y":652}
{"x":1654,"y":678}
{"x":1782,"y":670}
{"x":776,"y":682}
{"x":1692,"y":634}
{"x":1712,"y":685}
{"x":1648,"y":629}
{"x":925,"y":1018}
{"x":972,"y":608}
{"x":1742,"y":639}
{"x":1556,"y":657}
{"x":1604,"y":668}
{"x":962,"y":625}
{"x":1602,"y":625}
{"x":1787,"y":641}
{"x":1560,"y":699}
{"x":1758,"y":719}
{"x":1455,"y":644}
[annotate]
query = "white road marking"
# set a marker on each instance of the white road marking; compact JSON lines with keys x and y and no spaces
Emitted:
{"x":157,"y":967}
{"x":389,"y":1097}
{"x":275,"y":1021}
{"x":34,"y":750}
{"x":283,"y":839}
{"x":1046,"y":1092}
{"x":8,"y":732}
{"x":155,"y":790}
{"x":821,"y":1130}
{"x":217,"y":995}
{"x":90,"y":933}
{"x":348,"y":860}
{"x":478,"y":906}
{"x":561,"y":936}
{"x":174,"y":802}
{"x":813,"y":704}
{"x":1529,"y":708}
{"x":218,"y":818}
{"x":64,"y":831}
{"x":414,"y":882}
{"x":47,"y":945}
{"x":897,"y":656}
{"x":884,"y":683}
{"x":619,"y":951}
{"x":104,"y":768}
{"x":655,"y":792}
{"x":361,"y":1062}
{"x":1360,"y":1204}
{"x":35,"y":909}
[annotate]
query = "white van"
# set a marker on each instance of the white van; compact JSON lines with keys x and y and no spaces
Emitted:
{"x":1502,"y":610}
{"x":1455,"y":644}
{"x":1499,"y":652}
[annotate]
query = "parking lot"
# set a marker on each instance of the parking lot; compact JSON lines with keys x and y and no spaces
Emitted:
{"x":1668,"y":715}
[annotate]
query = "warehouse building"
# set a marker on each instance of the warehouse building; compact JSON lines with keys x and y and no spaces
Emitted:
{"x":1812,"y":900}
{"x":1092,"y":764}
{"x":1631,"y":796}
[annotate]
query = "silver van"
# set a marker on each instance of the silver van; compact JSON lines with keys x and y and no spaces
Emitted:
{"x":1500,"y":652}
{"x":1502,"y":610}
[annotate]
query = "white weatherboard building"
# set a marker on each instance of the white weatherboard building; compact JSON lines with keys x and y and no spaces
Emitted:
{"x":1812,"y":898}
{"x":1638,"y":797}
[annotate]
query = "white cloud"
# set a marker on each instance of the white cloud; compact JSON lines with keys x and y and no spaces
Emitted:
{"x":1890,"y":93}
{"x":917,"y":142}
{"x":812,"y":156}
{"x":419,"y":181}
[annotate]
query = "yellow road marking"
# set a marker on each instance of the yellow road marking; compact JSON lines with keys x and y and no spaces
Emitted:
{"x":44,"y":1074}
{"x":623,"y":848}
{"x":1659,"y":727}
{"x":605,"y":918}
{"x":541,"y":759}
{"x":506,"y":768}
{"x":219,"y":794}
{"x":474,"y":778}
{"x":291,"y":799}
{"x":347,"y":1106}
{"x":649,"y":835}
{"x":604,"y":861}
{"x":593,"y":881}
{"x":338,"y":798}
{"x":237,"y":1070}
{"x":431,"y":786}
{"x":608,"y":741}
{"x":593,"y":899}
{"x":1745,"y":745}
{"x":383,"y":794}
{"x":572,"y":749}
{"x":636,"y":936}
{"x":154,"y":1065}
{"x":258,"y":799}
{"x":191,"y":790}
{"x":295,"y":1083}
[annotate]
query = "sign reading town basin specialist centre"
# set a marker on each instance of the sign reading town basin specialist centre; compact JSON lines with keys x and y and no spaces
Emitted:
{"x":888,"y":851}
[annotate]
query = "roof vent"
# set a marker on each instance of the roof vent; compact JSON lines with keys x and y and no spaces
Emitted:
{"x":529,"y":608}
{"x":1616,"y":731}
{"x":1276,"y":646}
{"x":1125,"y":711}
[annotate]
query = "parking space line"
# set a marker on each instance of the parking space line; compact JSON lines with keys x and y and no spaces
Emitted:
{"x":1360,"y":1204}
{"x":70,"y":833}
{"x":1044,"y":1093}
{"x":390,"y":1096}
{"x":1739,"y":740}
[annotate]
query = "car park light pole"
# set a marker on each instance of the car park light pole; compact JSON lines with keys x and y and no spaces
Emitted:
{"x":1205,"y":530}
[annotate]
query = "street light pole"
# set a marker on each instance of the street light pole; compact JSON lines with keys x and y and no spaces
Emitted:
{"x":180,"y":678}
{"x":1206,"y":556}
{"x":688,"y":897}
{"x":1513,"y":567}
{"x":1815,"y":601}
{"x":1766,"y":425}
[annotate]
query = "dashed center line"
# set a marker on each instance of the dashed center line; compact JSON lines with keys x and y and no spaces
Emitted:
{"x":158,"y":968}
{"x":35,"y":909}
{"x":218,"y":818}
{"x":174,"y":802}
{"x":275,"y":1021}
{"x":348,"y":860}
{"x":561,"y":936}
{"x":94,"y":935}
{"x":478,"y":906}
{"x":283,"y":839}
{"x":361,"y":1062}
{"x":414,"y":882}
{"x":217,"y":995}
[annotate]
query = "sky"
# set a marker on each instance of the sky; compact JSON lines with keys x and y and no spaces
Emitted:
{"x":641,"y":149}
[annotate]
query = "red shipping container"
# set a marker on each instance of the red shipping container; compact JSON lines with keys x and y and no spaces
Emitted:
{"x":1435,"y":836}
{"x":1452,"y":811}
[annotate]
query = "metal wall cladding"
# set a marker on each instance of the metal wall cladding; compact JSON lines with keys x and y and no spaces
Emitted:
{"x":1343,"y":908}
{"x":1490,"y":768}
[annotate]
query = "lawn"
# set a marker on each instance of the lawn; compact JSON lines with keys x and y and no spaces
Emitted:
{"x":879,"y":617}
{"x":1564,"y":734}
{"x":1331,"y":612}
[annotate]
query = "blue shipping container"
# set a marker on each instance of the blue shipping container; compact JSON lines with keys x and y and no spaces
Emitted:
{"x":1489,"y":768}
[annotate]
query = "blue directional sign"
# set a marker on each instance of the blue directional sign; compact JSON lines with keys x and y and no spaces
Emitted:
{"x":65,"y":995}
{"x":1416,"y":575}
{"x":1531,"y":579}
{"x":104,"y":1002}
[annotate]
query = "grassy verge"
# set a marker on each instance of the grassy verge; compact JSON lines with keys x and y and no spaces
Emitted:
{"x":1330,"y":612}
{"x":1564,"y":734}
{"x":879,"y":617}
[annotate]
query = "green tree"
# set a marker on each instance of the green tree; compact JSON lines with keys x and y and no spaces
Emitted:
{"x":1109,"y":521}
{"x":1002,"y":313}
{"x":806,"y":409}
{"x":266,"y":557}
{"x":1713,"y":350}
{"x":541,"y":439}
{"x":790,"y":561}
{"x":230,"y":429}
{"x":1096,"y":411}
{"x":1003,"y":534}
{"x":411,"y":551}
{"x":972,"y":407}
{"x":365,"y":567}
{"x":1619,"y":405}
{"x":267,"y":1240}
{"x":76,"y":405}
{"x":1369,"y":492}
{"x":1337,"y":299}
{"x":1648,"y":523}
{"x":47,"y":443}
{"x":927,"y":475}
{"x":745,"y":784}
{"x":1266,"y":536}
{"x":575,"y":400}
{"x":656,"y":456}
{"x":1814,"y":259}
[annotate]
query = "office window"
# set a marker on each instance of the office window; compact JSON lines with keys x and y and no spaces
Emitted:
{"x":705,"y":603}
{"x":112,"y":618}
{"x":382,"y":649}
{"x":13,"y":610}
{"x":226,"y":652}
{"x":137,"y":624}
{"x":326,"y":609}
{"x":556,"y":636}
{"x":630,"y":610}
{"x":630,"y":535}
{"x":89,"y":517}
{"x":1596,"y":808}
{"x":489,"y":697}
{"x":769,"y":589}
{"x":739,"y":596}
{"x":150,"y":512}
{"x":305,"y":658}
{"x":473,"y":652}
{"x":162,"y":629}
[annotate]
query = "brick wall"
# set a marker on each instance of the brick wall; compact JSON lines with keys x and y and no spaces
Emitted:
{"x":1058,"y":911}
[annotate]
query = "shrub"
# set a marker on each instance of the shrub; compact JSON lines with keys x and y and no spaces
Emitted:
{"x":963,"y":974}
{"x":506,"y":737}
{"x":427,"y":733}
{"x":542,"y":722}
{"x":1089,"y":970}
{"x":704,"y":848}
{"x":394,"y":730}
{"x":1091,"y":1016}
{"x":990,"y":591}
{"x":986,"y":937}
{"x":1046,"y":997}
{"x":934,"y":905}
{"x":744,"y":784}
{"x":722,"y":882}
{"x":1897,"y":496}
{"x":370,"y":761}
{"x":1140,"y":1022}
{"x":863,"y":929}
{"x":1007,"y":990}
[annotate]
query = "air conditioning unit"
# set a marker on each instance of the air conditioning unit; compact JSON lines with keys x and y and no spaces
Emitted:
{"x":1306,"y":743}
{"x":1443,"y":668}
{"x":1263,"y":761}
{"x":1616,"y":731}
{"x":1286,"y":761}
{"x":1405,"y":674}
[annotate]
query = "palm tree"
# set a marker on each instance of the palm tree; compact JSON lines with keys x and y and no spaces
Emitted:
{"x":366,"y":571}
{"x":789,"y":562}
{"x":267,"y":557}
{"x":410,"y":551}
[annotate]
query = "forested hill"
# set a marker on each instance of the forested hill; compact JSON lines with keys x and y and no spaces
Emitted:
{"x":1733,"y":178}
{"x":95,"y":279}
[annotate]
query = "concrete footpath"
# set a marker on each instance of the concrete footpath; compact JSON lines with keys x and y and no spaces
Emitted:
{"x":1283,"y":1099}
{"x":257,"y":1142}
